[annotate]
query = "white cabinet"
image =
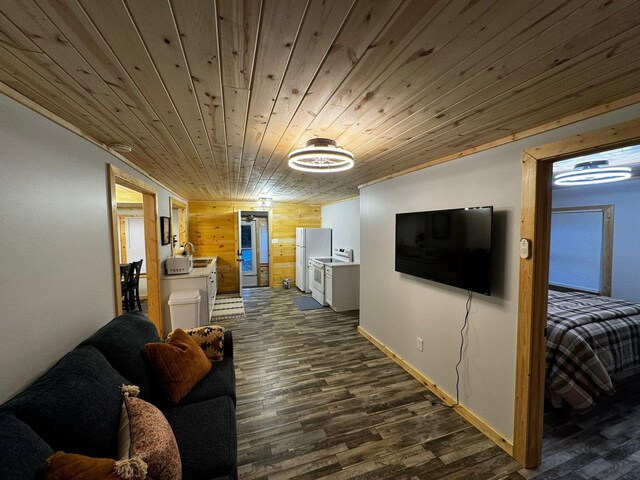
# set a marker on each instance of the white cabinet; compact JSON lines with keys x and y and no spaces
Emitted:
{"x":203,"y":279}
{"x":342,"y":286}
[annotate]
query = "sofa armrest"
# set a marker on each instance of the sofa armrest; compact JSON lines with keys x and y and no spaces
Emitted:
{"x":228,"y":344}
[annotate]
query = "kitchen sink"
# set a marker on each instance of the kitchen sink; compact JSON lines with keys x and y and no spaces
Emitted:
{"x":201,"y":262}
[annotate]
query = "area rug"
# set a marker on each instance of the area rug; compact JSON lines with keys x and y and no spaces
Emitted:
{"x":227,"y":307}
{"x":306,"y":303}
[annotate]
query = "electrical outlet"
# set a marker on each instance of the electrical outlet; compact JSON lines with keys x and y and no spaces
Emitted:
{"x":418,"y":344}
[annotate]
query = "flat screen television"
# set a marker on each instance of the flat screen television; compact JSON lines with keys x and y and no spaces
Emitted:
{"x":452,"y":247}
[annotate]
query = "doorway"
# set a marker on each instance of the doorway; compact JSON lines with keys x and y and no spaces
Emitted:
{"x":119,"y":178}
{"x":534,"y":276}
{"x":253,"y":248}
{"x":178,"y":214}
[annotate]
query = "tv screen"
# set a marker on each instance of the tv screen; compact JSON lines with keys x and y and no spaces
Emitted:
{"x":447,"y":246}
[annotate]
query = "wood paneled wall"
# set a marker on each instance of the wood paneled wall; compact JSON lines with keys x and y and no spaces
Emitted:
{"x":213,"y":230}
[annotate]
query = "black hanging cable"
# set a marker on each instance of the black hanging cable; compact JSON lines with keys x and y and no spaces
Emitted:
{"x":464,"y":326}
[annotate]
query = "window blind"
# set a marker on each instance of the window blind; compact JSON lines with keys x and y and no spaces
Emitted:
{"x":575,"y":259}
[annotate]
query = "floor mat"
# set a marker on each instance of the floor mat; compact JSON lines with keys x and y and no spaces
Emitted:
{"x":306,"y":303}
{"x":227,"y":307}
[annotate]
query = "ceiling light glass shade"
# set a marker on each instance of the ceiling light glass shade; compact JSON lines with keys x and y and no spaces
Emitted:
{"x":265,"y":202}
{"x":321,"y":155}
{"x":591,"y":173}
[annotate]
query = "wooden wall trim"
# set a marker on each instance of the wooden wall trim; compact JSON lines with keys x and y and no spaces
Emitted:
{"x":529,"y":394}
{"x":467,"y":414}
{"x":537,"y":163}
{"x":150,"y":206}
{"x":591,"y":112}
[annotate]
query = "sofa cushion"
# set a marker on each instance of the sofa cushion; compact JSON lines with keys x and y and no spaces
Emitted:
{"x":75,"y":406}
{"x":145,"y":433}
{"x":122,"y":342}
{"x":71,"y":466}
{"x":178,"y":364}
{"x":212,"y":452}
{"x":23,"y":454}
{"x":220,"y":381}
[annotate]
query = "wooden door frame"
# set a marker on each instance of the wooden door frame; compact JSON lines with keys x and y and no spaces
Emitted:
{"x":237,"y":211}
{"x":535,"y":220}
{"x":150,"y":208}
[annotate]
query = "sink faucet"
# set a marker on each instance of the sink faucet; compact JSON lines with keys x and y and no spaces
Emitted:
{"x":186,"y":252}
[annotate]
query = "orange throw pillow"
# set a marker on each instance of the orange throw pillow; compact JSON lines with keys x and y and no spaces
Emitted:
{"x":178,"y":364}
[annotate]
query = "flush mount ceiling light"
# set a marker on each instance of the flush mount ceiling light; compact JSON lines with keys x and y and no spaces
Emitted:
{"x":589,"y":173}
{"x":321,"y":155}
{"x":265,"y":202}
{"x":121,"y":147}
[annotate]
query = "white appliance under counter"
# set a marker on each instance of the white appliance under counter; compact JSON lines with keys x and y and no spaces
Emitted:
{"x":204,"y":279}
{"x":342,"y":286}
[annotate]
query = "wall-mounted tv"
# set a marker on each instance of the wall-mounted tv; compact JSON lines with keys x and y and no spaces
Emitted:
{"x":447,"y":246}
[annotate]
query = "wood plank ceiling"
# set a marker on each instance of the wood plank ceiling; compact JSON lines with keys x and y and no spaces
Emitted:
{"x":213,"y":94}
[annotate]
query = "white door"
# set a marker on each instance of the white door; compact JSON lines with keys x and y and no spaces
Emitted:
{"x":249,"y":267}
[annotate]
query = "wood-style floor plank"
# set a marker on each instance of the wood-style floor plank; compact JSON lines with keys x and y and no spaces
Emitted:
{"x":317,"y":400}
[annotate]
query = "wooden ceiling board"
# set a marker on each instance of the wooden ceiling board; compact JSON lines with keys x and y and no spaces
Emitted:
{"x":54,"y":88}
{"x":438,"y":112}
{"x":128,"y":49}
{"x":213,"y":94}
{"x":363,"y":25}
{"x":281,"y":21}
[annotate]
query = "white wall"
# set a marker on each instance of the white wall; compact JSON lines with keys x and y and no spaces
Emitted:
{"x":57,"y":274}
{"x":625,"y":196}
{"x":396,"y":308}
{"x":344,"y":219}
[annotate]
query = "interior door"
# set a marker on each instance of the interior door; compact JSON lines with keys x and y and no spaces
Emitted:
{"x":248,"y":247}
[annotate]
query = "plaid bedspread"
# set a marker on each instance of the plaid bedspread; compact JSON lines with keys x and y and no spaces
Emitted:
{"x":589,"y":340}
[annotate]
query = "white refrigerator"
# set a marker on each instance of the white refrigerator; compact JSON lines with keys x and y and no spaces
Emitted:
{"x":310,"y":242}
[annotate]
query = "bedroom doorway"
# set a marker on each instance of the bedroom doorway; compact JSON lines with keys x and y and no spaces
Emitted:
{"x":537,"y":171}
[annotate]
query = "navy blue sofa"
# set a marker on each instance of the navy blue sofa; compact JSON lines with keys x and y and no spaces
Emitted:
{"x":75,"y":407}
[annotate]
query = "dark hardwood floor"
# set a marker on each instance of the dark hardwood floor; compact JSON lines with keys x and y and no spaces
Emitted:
{"x":316,"y":400}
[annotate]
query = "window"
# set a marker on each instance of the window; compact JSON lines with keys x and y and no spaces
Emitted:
{"x":580,"y":250}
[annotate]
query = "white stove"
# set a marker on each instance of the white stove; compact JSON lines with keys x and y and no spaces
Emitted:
{"x":317,"y":271}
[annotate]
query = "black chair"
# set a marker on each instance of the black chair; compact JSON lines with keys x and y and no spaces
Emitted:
{"x":133,"y":287}
{"x":125,"y":274}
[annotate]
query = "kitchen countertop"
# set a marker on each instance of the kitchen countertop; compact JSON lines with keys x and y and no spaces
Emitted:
{"x":196,"y":272}
{"x":342,"y":264}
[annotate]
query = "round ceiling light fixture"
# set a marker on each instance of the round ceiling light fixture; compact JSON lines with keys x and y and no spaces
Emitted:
{"x":321,"y":155}
{"x":590,"y":173}
{"x":121,"y":147}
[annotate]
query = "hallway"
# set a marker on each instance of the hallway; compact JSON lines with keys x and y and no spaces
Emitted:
{"x":316,"y":399}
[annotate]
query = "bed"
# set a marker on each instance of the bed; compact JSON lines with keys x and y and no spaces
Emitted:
{"x":592,"y":341}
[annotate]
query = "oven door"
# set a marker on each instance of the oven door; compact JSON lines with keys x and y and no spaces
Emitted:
{"x":318,"y":277}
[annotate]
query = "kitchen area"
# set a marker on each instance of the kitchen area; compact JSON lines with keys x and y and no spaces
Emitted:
{"x":328,"y":272}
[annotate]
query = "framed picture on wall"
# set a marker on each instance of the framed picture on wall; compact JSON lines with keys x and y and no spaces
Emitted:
{"x":165,"y":230}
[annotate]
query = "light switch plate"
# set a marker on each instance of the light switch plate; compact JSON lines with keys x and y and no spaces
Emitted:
{"x":418,"y":344}
{"x":524,"y":248}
